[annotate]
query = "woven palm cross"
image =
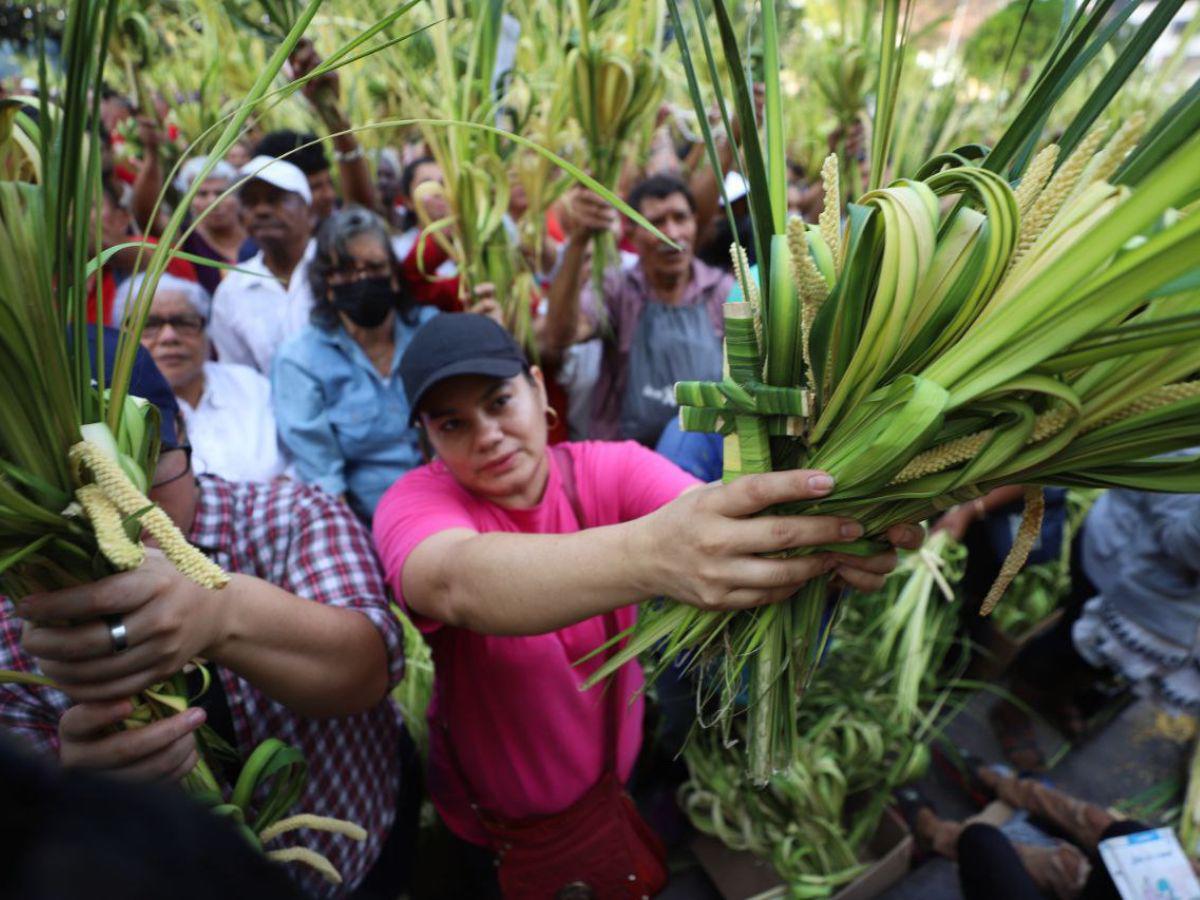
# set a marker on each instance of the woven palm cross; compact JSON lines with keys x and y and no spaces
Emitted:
{"x":741,"y":406}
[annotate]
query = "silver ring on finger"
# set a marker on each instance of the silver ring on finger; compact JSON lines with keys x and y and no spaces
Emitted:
{"x":118,"y":633}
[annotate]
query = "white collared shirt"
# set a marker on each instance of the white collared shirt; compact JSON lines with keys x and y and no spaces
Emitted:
{"x":252,"y":314}
{"x":232,"y":428}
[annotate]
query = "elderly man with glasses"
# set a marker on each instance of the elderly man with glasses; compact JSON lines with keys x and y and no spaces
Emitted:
{"x":227,"y":406}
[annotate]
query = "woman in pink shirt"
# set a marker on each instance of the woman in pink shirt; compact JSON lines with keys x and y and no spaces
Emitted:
{"x":486,"y":548}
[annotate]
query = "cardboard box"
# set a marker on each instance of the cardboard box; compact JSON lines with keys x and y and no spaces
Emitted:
{"x":740,"y":875}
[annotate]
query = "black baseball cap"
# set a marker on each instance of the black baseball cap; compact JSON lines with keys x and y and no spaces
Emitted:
{"x":457,"y":344}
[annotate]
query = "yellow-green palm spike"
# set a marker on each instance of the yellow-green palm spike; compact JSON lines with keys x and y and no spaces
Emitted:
{"x":111,"y":482}
{"x":1023,"y":541}
{"x":830,"y":220}
{"x":107,"y":525}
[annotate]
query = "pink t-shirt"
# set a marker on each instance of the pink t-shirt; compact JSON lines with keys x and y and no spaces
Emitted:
{"x":528,"y":738}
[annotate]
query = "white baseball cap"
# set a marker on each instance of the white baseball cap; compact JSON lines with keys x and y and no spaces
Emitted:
{"x":735,"y":187}
{"x":280,"y":173}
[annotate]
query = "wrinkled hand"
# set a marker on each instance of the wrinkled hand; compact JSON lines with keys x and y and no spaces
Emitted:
{"x":485,"y":303}
{"x":589,"y":214}
{"x":160,"y":751}
{"x":168,"y":619}
{"x":304,"y":59}
{"x":708,"y":544}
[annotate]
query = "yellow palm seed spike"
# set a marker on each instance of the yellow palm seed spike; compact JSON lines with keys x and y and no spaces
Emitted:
{"x":965,"y":448}
{"x":1051,"y":199}
{"x":1023,"y":541}
{"x":960,"y":450}
{"x":813,"y":288}
{"x":108,"y":476}
{"x":106,"y":521}
{"x":810,"y":283}
{"x":1049,"y":424}
{"x":944,"y":456}
{"x":112,"y":482}
{"x":310,"y":858}
{"x":186,"y":558}
{"x":741,"y":269}
{"x":830,"y":220}
{"x":1061,"y":186}
{"x":1114,"y":154}
{"x":1160,"y":396}
{"x":1035,"y":178}
{"x":316,"y":823}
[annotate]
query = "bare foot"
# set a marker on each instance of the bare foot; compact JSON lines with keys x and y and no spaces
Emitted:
{"x":936,"y":834}
{"x":1061,"y":870}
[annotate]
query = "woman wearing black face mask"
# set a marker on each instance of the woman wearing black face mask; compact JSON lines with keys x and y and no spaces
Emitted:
{"x":339,"y":404}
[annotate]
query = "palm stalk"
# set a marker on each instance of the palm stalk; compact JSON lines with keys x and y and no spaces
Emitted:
{"x":955,"y":343}
{"x":616,"y":84}
{"x":867,"y":731}
{"x":474,"y":162}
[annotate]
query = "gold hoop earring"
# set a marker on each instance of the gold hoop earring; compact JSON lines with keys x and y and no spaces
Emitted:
{"x":551,"y":416}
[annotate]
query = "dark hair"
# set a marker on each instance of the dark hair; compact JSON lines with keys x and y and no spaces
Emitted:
{"x":342,"y":226}
{"x":405,"y":187}
{"x":281,"y":144}
{"x":410,"y":172}
{"x":660,"y":187}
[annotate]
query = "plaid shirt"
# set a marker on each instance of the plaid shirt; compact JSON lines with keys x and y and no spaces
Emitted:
{"x":306,"y":542}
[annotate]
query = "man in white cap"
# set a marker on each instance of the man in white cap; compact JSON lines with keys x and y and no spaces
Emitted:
{"x":252,"y":314}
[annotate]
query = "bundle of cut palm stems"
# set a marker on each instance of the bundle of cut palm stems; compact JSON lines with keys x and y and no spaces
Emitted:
{"x":616,"y":84}
{"x":74,"y":454}
{"x":867,"y":730}
{"x":475,"y":161}
{"x":1003,"y":315}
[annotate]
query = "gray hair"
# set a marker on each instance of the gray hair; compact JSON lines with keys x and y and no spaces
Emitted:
{"x":191,"y":169}
{"x":334,"y":235}
{"x":197,"y":297}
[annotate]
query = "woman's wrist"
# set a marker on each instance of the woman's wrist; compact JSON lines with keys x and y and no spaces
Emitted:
{"x":638,"y":558}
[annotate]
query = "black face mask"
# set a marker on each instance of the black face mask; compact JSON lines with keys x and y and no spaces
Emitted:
{"x":365,"y":302}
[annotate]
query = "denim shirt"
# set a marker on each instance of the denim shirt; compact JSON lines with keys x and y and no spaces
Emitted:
{"x":345,"y":426}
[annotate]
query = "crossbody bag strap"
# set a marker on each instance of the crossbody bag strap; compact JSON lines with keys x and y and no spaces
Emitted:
{"x":612,"y":715}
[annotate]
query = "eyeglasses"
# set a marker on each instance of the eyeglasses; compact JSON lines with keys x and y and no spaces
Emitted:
{"x":184,"y":326}
{"x":173,"y":464}
{"x":358,"y":273}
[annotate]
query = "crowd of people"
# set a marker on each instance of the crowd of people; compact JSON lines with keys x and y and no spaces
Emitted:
{"x":344,"y":427}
